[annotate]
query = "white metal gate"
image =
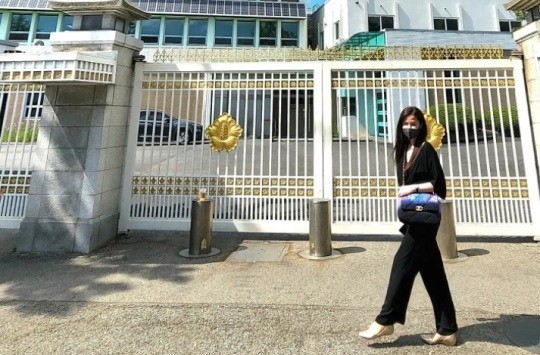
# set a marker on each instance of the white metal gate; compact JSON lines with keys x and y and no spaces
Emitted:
{"x":325,"y":129}
{"x":20,"y":113}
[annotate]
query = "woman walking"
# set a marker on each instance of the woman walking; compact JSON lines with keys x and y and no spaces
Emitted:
{"x":419,"y":170}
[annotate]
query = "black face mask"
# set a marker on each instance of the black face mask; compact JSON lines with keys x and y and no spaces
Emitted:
{"x":411,"y":133}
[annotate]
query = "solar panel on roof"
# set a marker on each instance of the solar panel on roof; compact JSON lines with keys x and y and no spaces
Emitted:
{"x":253,"y":8}
{"x":212,"y":7}
{"x":228,"y":7}
{"x":269,"y":10}
{"x":277,"y":9}
{"x":294,"y":10}
{"x":220,"y":7}
{"x":203,"y":7}
{"x":285,"y":10}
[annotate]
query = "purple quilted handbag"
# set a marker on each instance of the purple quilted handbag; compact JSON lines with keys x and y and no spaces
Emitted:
{"x":419,"y":208}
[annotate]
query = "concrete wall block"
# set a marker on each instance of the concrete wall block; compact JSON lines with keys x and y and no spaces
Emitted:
{"x":110,"y":202}
{"x":44,"y":137}
{"x":100,"y":95}
{"x":27,"y":232}
{"x":62,"y":182}
{"x":69,"y":137}
{"x":33,"y":204}
{"x":86,"y":236}
{"x":95,"y":160}
{"x":39,"y":158}
{"x":117,"y":136}
{"x":75,"y":95}
{"x":59,"y":206}
{"x":51,"y":94}
{"x":92,"y":182}
{"x":122,"y":96}
{"x":112,"y":179}
{"x":98,"y":137}
{"x":114,"y":157}
{"x":66,"y":159}
{"x":36,"y":183}
{"x":54,"y":236}
{"x":124,"y":75}
{"x":80,"y":116}
{"x":89,"y":207}
{"x":120,"y":116}
{"x":125,"y":56}
{"x":108,"y":230}
{"x":98,"y":116}
{"x":48,"y":118}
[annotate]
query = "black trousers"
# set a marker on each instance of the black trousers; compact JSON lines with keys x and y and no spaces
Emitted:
{"x":419,"y":253}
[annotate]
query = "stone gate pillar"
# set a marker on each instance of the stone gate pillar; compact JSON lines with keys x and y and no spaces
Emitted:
{"x":74,"y":199}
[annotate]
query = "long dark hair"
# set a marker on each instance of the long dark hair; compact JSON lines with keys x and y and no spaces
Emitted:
{"x":401,"y":140}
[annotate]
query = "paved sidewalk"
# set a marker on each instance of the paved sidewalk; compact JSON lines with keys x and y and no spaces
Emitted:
{"x":137,"y":296}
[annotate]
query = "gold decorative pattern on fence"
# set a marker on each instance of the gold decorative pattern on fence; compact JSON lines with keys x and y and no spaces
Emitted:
{"x":178,"y":55}
{"x":15,"y":184}
{"x":223,"y":186}
{"x":230,"y":84}
{"x":509,"y":188}
{"x":422,"y":83}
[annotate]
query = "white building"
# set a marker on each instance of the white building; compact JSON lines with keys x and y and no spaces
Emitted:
{"x":434,"y":22}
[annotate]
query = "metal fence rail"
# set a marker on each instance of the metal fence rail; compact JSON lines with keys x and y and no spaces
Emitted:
{"x":20,"y":112}
{"x":327,"y":130}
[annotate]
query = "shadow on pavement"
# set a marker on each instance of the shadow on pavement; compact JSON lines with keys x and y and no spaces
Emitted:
{"x":487,"y":330}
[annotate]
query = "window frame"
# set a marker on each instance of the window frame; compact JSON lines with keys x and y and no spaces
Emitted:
{"x":380,"y":22}
{"x":180,"y":36}
{"x":446,"y":19}
{"x":290,"y":39}
{"x":238,"y":37}
{"x":27,"y":32}
{"x":33,"y":105}
{"x":47,"y":34}
{"x":230,"y":38}
{"x":261,"y":39}
{"x":509,"y":23}
{"x":190,"y":37}
{"x":150,"y":35}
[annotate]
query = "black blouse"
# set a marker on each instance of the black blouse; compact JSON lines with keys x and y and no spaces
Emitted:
{"x":426,"y":167}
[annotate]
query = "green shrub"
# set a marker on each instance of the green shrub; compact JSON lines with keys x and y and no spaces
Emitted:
{"x":504,"y":113}
{"x":25,"y":134}
{"x":453,"y":113}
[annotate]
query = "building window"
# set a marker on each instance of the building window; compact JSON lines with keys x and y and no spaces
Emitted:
{"x":453,"y":96}
{"x":321,"y":40}
{"x":150,"y":30}
{"x":535,"y":13}
{"x":448,"y":24}
{"x":336,"y":30}
{"x":20,"y":27}
{"x":378,"y":23}
{"x":33,"y":105}
{"x":245,"y":33}
{"x":509,"y":25}
{"x":67,"y":23}
{"x":224,"y":33}
{"x":197,"y":32}
{"x":46,"y":25}
{"x":267,"y":33}
{"x":289,"y":34}
{"x":174,"y":31}
{"x":132,"y":27}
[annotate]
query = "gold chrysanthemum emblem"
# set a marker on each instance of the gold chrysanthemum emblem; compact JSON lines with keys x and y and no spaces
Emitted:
{"x":224,"y":133}
{"x":435,"y":132}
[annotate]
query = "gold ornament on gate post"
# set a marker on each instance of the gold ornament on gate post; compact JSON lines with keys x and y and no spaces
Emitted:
{"x":224,"y":133}
{"x":435,"y":131}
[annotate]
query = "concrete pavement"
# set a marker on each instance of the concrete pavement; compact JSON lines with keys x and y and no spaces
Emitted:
{"x":137,"y":296}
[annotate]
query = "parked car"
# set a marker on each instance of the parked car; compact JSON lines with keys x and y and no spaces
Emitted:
{"x":156,"y":125}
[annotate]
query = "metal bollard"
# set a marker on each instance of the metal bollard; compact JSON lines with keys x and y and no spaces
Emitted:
{"x":320,"y":234}
{"x":446,"y":236}
{"x":200,"y":234}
